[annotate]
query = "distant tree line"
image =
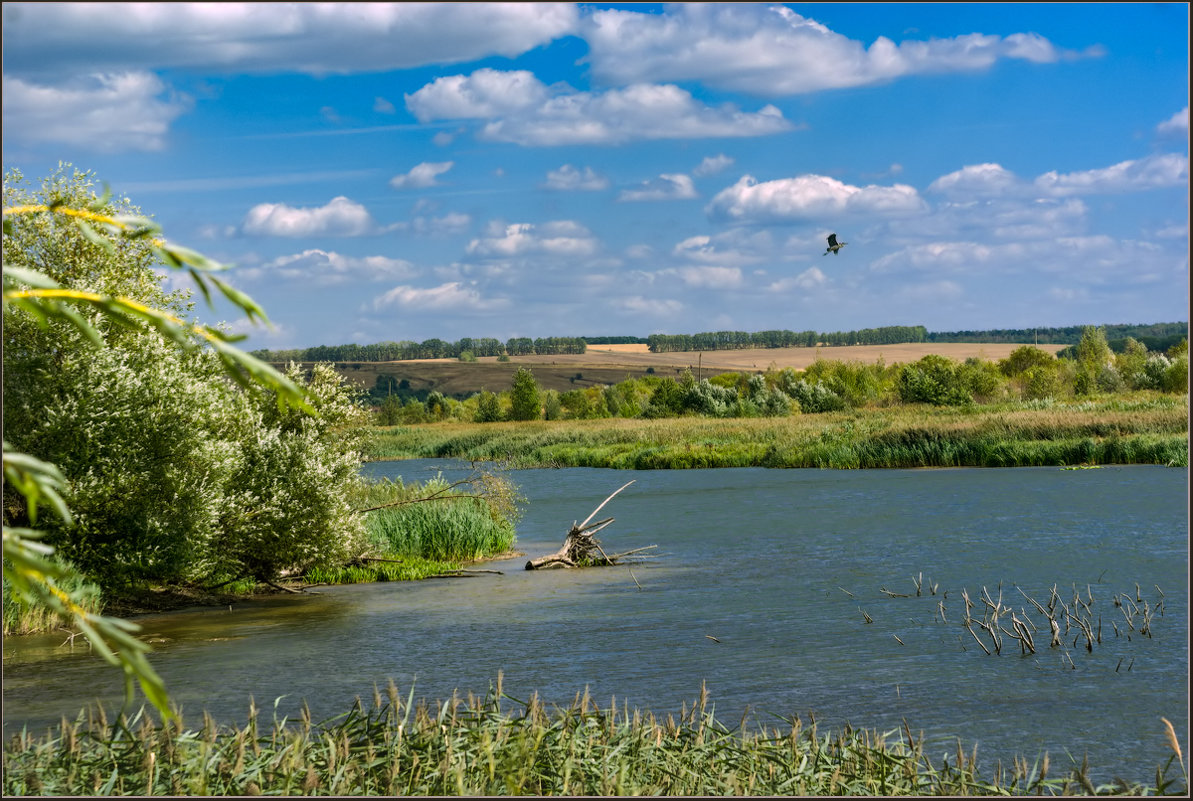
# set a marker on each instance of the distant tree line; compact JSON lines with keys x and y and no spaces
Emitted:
{"x":428,"y":349}
{"x":1157,"y":336}
{"x":615,"y":340}
{"x":740,"y":340}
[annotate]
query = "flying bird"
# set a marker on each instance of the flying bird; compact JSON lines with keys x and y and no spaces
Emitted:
{"x":834,"y":245}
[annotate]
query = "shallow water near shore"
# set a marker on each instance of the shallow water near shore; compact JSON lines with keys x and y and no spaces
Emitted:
{"x":781,"y":567}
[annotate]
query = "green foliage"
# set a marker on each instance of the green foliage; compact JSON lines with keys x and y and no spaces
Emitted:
{"x":1041,"y":381}
{"x":666,"y":400}
{"x":116,"y":288}
{"x":389,"y":413}
{"x":981,"y":379}
{"x":525,"y":401}
{"x":488,"y":410}
{"x":78,"y":271}
{"x":552,"y":405}
{"x":1092,"y":356}
{"x":1023,"y":359}
{"x":933,"y":379}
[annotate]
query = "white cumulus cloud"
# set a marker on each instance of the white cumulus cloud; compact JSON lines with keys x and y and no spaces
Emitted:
{"x":993,"y":180}
{"x":1152,"y":172}
{"x":770,"y":49}
{"x":313,"y":38}
{"x":484,"y":94}
{"x":977,"y":180}
{"x":809,"y":197}
{"x":523,"y":110}
{"x":340,"y":217}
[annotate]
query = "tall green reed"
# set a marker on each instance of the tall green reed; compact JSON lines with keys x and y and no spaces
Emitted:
{"x":500,"y":745}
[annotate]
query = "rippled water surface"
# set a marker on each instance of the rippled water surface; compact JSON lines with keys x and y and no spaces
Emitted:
{"x":779,"y":566}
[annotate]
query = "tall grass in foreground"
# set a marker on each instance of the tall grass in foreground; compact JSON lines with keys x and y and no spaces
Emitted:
{"x":477,"y":747}
{"x":1141,"y":429}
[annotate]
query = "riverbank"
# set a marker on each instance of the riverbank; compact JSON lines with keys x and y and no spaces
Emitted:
{"x":1146,"y":428}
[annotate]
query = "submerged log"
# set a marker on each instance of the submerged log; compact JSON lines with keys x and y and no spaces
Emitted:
{"x":580,"y":546}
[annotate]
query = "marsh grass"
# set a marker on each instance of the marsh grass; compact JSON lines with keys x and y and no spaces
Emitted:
{"x":1145,"y":428}
{"x":419,"y":530}
{"x":439,"y":521}
{"x":499,"y":745}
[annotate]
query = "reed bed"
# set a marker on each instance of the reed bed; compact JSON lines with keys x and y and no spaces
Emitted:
{"x":1139,"y":430}
{"x":498,"y":745}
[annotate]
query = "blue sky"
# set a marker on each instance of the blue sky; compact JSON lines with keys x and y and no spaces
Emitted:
{"x":389,"y":172}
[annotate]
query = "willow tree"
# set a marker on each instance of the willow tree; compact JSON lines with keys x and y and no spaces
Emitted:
{"x":56,"y":289}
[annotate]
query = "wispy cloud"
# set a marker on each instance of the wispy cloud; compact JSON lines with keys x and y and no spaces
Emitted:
{"x":568,"y":178}
{"x":650,"y":307}
{"x":421,"y":176}
{"x":323,"y":268}
{"x":712,"y":165}
{"x":243,"y":181}
{"x":115,"y":112}
{"x":1176,"y":125}
{"x":665,"y":187}
{"x":455,"y":296}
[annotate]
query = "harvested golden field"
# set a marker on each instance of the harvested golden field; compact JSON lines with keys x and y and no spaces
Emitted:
{"x":762,"y":358}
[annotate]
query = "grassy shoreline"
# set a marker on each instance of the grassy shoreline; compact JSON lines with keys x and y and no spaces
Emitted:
{"x":1144,"y":428}
{"x":499,"y":745}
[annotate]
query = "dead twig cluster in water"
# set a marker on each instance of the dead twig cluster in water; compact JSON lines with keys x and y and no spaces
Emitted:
{"x":581,"y":548}
{"x":1068,"y":623}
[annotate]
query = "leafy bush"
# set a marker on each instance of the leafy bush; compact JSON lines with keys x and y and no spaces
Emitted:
{"x":1023,"y":359}
{"x":815,"y":398}
{"x":525,"y":403}
{"x":933,"y":379}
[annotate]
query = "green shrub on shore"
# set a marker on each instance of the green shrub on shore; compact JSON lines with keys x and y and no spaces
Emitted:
{"x":498,"y":745}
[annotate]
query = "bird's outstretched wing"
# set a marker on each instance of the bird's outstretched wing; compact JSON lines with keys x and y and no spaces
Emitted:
{"x":832,"y":240}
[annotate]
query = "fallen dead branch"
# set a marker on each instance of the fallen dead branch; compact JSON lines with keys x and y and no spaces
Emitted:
{"x":580,"y":546}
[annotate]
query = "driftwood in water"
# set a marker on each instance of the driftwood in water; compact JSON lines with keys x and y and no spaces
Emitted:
{"x":581,"y":547}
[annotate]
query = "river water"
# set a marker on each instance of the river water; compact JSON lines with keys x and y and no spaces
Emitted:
{"x":781,"y":567}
